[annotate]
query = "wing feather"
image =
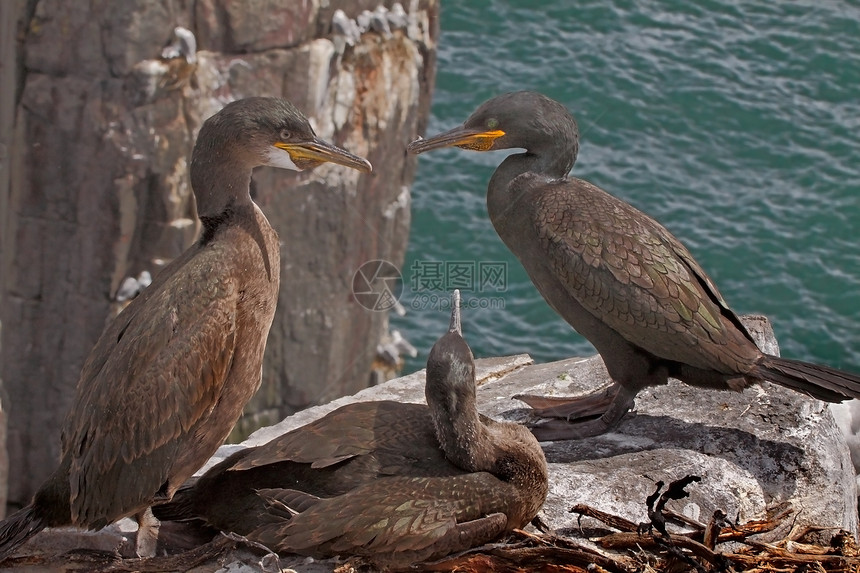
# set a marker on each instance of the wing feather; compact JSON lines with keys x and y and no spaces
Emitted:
{"x":392,"y":515}
{"x":650,"y":290}
{"x":152,"y":376}
{"x":349,"y":431}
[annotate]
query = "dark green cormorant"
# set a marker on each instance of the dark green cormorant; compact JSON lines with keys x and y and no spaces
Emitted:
{"x":613,"y":273}
{"x":395,"y":483}
{"x":169,"y":377}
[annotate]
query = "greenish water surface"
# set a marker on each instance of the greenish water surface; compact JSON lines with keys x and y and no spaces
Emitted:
{"x":736,"y":124}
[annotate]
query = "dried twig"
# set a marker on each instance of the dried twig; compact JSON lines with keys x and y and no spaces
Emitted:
{"x":611,"y":520}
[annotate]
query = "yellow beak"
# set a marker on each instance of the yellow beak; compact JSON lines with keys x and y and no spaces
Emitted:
{"x":309,"y":154}
{"x":462,"y":137}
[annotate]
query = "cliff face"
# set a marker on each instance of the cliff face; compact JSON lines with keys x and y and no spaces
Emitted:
{"x":96,"y":185}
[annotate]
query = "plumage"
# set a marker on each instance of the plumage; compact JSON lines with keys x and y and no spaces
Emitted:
{"x":169,"y":377}
{"x":614,"y":274}
{"x":393,"y":482}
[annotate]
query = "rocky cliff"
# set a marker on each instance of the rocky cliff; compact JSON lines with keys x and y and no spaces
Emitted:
{"x":104,"y":104}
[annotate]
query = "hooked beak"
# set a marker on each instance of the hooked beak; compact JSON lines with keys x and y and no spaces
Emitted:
{"x":456,"y":324}
{"x":462,"y":137}
{"x":309,"y":154}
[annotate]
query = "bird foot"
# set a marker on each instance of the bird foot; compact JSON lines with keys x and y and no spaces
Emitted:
{"x":147,"y":533}
{"x":622,"y":402}
{"x":554,"y":430}
{"x":572,"y":408}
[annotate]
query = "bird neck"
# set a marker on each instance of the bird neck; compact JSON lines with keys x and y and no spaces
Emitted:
{"x":466,"y":444}
{"x":461,"y":434}
{"x":221,"y":187}
{"x":553,"y":160}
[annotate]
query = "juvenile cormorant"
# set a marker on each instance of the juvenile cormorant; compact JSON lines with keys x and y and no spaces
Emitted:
{"x":395,"y":483}
{"x":169,"y":377}
{"x":613,"y":273}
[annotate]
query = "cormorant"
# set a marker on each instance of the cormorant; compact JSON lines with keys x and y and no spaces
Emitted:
{"x":616,"y":275}
{"x":392,"y":482}
{"x":169,"y":377}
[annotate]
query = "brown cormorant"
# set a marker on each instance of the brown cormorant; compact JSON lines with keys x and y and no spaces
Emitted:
{"x":395,"y":483}
{"x":169,"y":377}
{"x":613,"y":273}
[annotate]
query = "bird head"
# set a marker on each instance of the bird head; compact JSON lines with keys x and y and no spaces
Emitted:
{"x":248,"y":133}
{"x":269,"y":131}
{"x":451,"y":370}
{"x":521,"y":119}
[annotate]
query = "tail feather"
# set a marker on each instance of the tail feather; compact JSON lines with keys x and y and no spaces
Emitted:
{"x":18,"y":528}
{"x":180,"y":508}
{"x":822,"y":382}
{"x":287,"y":502}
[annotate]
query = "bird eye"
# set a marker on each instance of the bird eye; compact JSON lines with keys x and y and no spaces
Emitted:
{"x":492,"y":123}
{"x":285,"y":135}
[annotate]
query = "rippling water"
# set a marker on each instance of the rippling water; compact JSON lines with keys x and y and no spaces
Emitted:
{"x":736,"y":124}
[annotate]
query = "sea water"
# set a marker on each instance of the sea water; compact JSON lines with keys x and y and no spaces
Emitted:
{"x":735,"y":124}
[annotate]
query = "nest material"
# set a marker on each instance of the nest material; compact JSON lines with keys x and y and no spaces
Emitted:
{"x":716,"y":547}
{"x":619,"y":546}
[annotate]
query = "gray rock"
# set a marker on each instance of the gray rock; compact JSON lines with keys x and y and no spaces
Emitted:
{"x":10,"y":75}
{"x":756,"y":450}
{"x":397,"y":17}
{"x":764,"y":448}
{"x":235,"y":26}
{"x":847,"y":415}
